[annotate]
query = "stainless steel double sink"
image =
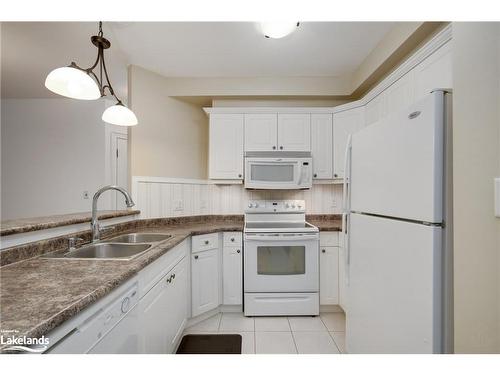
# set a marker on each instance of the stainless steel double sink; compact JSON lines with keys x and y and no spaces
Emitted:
{"x":124,"y":247}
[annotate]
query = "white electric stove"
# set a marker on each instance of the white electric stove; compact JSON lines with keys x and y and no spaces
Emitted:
{"x":281,"y":260}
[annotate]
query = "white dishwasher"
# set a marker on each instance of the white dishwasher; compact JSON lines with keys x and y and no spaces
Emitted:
{"x":111,"y":330}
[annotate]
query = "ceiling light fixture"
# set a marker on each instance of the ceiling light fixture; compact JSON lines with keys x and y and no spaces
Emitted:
{"x":78,"y":83}
{"x":278,"y":30}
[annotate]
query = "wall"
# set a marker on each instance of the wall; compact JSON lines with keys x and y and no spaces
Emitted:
{"x":52,"y":151}
{"x":476,"y":143}
{"x":171,"y":139}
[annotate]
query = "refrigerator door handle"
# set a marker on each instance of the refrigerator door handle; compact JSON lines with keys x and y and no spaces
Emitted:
{"x":346,"y":205}
{"x":347,"y":156}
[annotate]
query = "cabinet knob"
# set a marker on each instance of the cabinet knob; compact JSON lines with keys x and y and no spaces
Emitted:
{"x":173,"y":276}
{"x":238,"y":251}
{"x":207,"y":242}
{"x":274,"y":147}
{"x":169,"y":280}
{"x":239,"y":175}
{"x":315,"y":175}
{"x":335,"y":175}
{"x":323,"y":250}
{"x":196,"y":257}
{"x":232,"y":239}
{"x":281,"y":147}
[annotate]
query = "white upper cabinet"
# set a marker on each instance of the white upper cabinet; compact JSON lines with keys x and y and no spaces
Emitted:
{"x":322,"y":145}
{"x":344,"y":123}
{"x":261,"y":132}
{"x":226,"y":147}
{"x":434,"y":72}
{"x":294,"y":132}
{"x":401,"y":93}
{"x":376,"y":109}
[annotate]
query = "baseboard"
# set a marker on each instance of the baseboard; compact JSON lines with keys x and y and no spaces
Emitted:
{"x":330,"y":308}
{"x":231,"y":308}
{"x":195,"y":320}
{"x":220,"y":309}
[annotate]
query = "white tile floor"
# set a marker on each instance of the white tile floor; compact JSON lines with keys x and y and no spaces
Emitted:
{"x":324,"y":334}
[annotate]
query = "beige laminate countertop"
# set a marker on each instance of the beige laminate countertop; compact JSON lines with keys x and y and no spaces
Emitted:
{"x":16,"y":226}
{"x":39,"y":294}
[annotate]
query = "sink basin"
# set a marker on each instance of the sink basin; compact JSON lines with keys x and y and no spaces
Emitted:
{"x":139,"y":238}
{"x":107,"y":251}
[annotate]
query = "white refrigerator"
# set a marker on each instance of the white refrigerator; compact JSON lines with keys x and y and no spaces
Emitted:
{"x":398,"y":232}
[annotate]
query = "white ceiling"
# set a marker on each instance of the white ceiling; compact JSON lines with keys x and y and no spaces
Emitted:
{"x":184,"y":49}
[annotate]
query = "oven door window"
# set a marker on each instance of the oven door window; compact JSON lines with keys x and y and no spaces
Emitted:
{"x":281,"y":260}
{"x":272,"y":172}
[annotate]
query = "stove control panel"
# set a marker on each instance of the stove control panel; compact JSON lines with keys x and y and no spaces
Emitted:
{"x":272,"y":206}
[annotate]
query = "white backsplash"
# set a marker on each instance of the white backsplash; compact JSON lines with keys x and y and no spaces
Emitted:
{"x":167,"y":197}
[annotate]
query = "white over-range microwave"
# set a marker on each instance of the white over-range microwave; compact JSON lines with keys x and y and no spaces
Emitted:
{"x":278,"y":170}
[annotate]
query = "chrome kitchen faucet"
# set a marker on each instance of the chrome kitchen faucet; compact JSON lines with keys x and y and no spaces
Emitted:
{"x":94,"y":225}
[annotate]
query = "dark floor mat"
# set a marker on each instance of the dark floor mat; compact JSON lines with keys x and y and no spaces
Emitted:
{"x":210,"y":344}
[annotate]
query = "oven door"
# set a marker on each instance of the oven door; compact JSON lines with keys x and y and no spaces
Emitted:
{"x":281,"y":262}
{"x":281,"y":173}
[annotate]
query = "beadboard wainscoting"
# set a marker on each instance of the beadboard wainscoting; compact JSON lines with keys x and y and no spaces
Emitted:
{"x":171,"y":197}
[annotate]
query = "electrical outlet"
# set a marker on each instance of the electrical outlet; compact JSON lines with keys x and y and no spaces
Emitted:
{"x":85,"y":194}
{"x":178,"y":206}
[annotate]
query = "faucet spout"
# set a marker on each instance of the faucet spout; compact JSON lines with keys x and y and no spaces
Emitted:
{"x":94,"y":225}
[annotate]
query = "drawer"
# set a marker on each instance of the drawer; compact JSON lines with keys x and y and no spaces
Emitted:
{"x":232,"y":238}
{"x":151,"y":274}
{"x":205,"y":242}
{"x":329,"y":238}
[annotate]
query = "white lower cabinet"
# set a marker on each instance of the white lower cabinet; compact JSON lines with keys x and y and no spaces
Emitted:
{"x":329,"y":275}
{"x":342,"y":279}
{"x":163,"y":311}
{"x":204,"y":281}
{"x":232,"y":270}
{"x":329,"y":268}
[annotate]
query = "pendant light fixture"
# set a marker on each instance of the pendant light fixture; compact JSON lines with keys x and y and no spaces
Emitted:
{"x":78,"y":83}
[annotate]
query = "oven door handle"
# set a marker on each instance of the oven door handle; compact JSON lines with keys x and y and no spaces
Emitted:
{"x":281,"y":237}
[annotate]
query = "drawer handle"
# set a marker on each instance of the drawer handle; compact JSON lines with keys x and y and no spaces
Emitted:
{"x":238,"y":251}
{"x":196,"y":257}
{"x":207,"y":242}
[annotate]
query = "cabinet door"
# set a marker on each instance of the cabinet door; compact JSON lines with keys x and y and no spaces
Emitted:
{"x":434,"y":72}
{"x":322,"y":145}
{"x":342,"y":278}
{"x":232,"y":275}
{"x":226,"y":146}
{"x":294,"y":132}
{"x":177,"y":313}
{"x":154,"y":326}
{"x":400,"y":94}
{"x":261,"y":132}
{"x":204,"y":281}
{"x":344,"y":123}
{"x":329,"y":276}
{"x":375,"y":109}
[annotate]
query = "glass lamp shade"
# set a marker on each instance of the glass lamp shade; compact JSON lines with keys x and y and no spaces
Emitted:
{"x":278,"y":30}
{"x":72,"y":83}
{"x":118,"y":114}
